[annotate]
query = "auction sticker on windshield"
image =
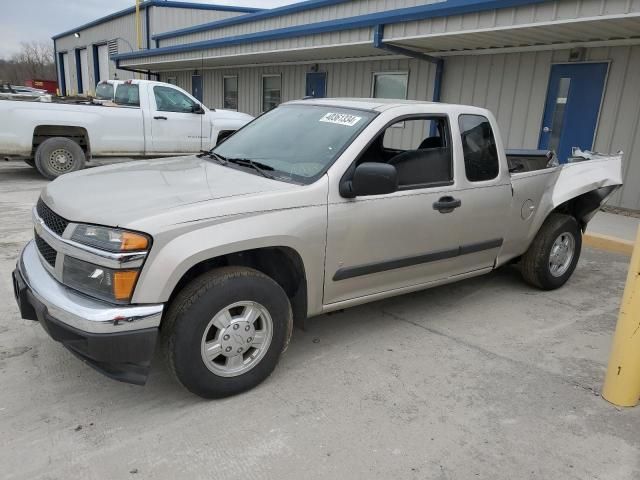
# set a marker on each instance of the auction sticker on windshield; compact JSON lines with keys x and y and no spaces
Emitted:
{"x":341,"y":119}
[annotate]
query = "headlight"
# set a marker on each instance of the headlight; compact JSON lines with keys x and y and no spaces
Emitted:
{"x":98,"y":281}
{"x":110,"y":239}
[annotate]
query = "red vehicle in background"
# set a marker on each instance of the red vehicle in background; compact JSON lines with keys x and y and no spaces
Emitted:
{"x":51,"y":86}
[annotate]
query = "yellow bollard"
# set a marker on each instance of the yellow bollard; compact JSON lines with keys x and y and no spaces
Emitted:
{"x":622,"y":383}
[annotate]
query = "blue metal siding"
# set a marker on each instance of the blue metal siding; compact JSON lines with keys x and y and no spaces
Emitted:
{"x":451,"y":7}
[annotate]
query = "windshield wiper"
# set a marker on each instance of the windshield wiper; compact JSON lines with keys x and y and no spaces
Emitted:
{"x":261,"y":168}
{"x":213,"y":155}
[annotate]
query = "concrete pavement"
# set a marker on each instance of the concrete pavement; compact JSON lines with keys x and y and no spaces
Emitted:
{"x":487,"y":379}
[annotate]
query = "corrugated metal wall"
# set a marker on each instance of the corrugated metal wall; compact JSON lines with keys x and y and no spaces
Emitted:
{"x":514,"y":87}
{"x":124,"y":29}
{"x":341,"y":10}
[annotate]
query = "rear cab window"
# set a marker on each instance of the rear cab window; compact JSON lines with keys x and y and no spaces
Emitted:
{"x":128,"y":95}
{"x":104,"y":91}
{"x":481,"y":161}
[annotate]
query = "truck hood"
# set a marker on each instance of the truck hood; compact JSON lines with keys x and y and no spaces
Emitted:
{"x":119,"y":195}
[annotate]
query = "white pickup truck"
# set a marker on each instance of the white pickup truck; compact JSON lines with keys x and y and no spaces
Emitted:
{"x":145,"y":119}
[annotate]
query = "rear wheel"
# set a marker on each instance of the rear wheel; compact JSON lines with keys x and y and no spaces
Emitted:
{"x":225,"y":331}
{"x":553,"y":255}
{"x":57,"y":156}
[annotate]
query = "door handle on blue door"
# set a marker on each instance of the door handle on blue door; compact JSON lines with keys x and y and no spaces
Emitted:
{"x":447,"y":204}
{"x":159,"y":118}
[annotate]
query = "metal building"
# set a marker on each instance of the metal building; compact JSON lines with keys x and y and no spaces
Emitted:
{"x":83,"y":54}
{"x":556,"y":73}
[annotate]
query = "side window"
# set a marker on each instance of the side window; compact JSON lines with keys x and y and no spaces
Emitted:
{"x":230,"y":93}
{"x":390,"y":85}
{"x":421,"y":151}
{"x":171,"y":100}
{"x":127,"y":94}
{"x":479,"y":148}
{"x":271,"y":91}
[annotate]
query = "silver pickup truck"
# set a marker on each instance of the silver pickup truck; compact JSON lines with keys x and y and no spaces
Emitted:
{"x":315,"y":206}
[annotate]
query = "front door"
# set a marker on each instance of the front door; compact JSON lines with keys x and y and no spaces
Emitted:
{"x":196,"y":87}
{"x":316,"y":84}
{"x":572,"y":107}
{"x":176,"y":127}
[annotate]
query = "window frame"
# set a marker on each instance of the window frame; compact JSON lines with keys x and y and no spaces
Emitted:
{"x":265,"y":75}
{"x":398,"y":72}
{"x":348,"y":174}
{"x":172,"y":81}
{"x":225,"y":77}
{"x":195,"y":101}
{"x":464,"y":162}
{"x":115,"y":91}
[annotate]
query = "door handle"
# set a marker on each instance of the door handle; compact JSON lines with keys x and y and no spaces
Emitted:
{"x":447,"y":204}
{"x":159,"y":118}
{"x":546,"y":129}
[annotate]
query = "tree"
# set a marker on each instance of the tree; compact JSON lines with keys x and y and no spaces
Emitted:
{"x":34,"y":61}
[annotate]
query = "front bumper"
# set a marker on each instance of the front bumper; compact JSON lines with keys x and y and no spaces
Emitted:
{"x":118,"y":341}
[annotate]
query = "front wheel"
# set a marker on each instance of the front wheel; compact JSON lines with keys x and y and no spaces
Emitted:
{"x":554,"y":252}
{"x":225,"y":331}
{"x":57,"y":156}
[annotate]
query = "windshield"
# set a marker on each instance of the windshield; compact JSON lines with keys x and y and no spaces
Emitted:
{"x":299,"y":142}
{"x":104,"y":91}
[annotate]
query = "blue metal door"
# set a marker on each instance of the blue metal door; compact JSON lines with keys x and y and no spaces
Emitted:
{"x":196,"y":87}
{"x":572,"y":107}
{"x":316,"y":84}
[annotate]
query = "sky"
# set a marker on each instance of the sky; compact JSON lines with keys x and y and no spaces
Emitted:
{"x":41,"y":19}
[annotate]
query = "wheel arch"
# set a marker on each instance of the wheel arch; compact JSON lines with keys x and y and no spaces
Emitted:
{"x":80,"y":135}
{"x":283,"y":264}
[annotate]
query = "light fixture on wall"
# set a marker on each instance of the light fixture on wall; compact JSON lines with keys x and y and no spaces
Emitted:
{"x":314,"y":68}
{"x":77,"y":34}
{"x":196,"y":73}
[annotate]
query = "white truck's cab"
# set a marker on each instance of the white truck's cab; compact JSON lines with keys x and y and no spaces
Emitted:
{"x":131,"y":118}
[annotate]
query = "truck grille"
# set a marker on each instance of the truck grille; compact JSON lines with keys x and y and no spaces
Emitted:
{"x":51,"y":219}
{"x":46,"y":250}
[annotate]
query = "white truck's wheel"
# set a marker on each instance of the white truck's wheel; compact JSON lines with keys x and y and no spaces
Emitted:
{"x":57,"y":156}
{"x":225,"y":331}
{"x":554,"y":252}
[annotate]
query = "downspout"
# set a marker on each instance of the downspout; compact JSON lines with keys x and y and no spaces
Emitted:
{"x":55,"y":61}
{"x":378,"y":42}
{"x":148,"y":27}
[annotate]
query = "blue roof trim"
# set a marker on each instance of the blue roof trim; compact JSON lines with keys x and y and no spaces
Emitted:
{"x":158,"y":3}
{"x":252,"y":17}
{"x":443,"y":9}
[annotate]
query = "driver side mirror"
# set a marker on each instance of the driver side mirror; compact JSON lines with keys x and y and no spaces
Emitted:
{"x":371,"y":178}
{"x":197,"y":108}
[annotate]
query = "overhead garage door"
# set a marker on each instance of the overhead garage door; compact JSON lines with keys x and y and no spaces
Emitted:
{"x":84,"y":72}
{"x":67,"y":76}
{"x":103,"y":62}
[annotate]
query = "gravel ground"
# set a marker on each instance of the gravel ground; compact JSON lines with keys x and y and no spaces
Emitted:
{"x":483,"y":379}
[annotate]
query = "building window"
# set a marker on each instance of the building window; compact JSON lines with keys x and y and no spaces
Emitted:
{"x":271,"y":91}
{"x":172,"y":80}
{"x":390,"y":85}
{"x":479,"y":148}
{"x":230,"y":93}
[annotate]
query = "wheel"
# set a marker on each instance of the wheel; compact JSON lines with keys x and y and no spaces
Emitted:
{"x":57,"y":156}
{"x":31,"y":162}
{"x":225,"y":331}
{"x":554,"y":253}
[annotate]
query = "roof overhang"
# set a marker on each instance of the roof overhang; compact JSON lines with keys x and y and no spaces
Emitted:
{"x":613,"y":28}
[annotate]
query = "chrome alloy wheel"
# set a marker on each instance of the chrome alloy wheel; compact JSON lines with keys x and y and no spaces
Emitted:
{"x":236,"y":338}
{"x":60,"y":160}
{"x":562,"y":252}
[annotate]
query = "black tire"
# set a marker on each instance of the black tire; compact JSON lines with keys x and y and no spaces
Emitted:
{"x":65,"y":148}
{"x":535,"y":264}
{"x":191,"y":312}
{"x":31,"y":162}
